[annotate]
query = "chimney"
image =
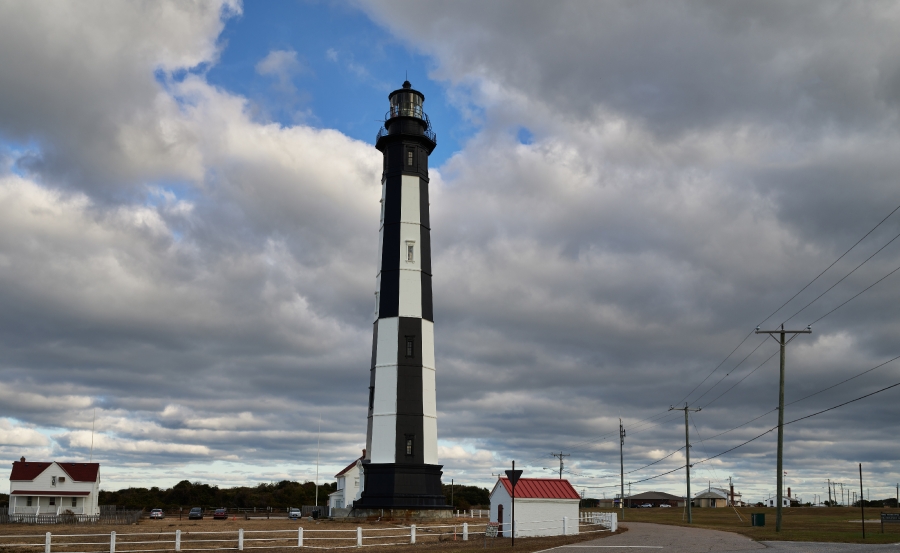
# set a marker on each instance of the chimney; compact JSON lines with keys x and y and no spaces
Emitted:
{"x":22,"y":460}
{"x":789,"y":492}
{"x":364,"y":453}
{"x":731,"y":487}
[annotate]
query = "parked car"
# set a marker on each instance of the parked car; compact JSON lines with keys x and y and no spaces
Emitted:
{"x":157,"y":513}
{"x":294,"y":512}
{"x":196,"y":512}
{"x":665,"y":505}
{"x":646,"y":505}
{"x":220,"y":513}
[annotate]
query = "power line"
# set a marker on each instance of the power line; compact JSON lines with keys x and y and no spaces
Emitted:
{"x":843,"y":278}
{"x":791,"y":299}
{"x":854,"y":297}
{"x":741,"y":380}
{"x":731,"y":371}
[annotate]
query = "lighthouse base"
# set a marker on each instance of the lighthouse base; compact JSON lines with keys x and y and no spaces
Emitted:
{"x":403,"y":487}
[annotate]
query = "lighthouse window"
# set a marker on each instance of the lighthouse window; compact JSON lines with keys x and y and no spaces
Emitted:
{"x":410,"y":252}
{"x":409,"y":346}
{"x":409,"y":158}
{"x":409,"y":444}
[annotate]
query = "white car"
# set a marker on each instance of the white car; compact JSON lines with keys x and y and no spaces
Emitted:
{"x":665,"y":505}
{"x":294,"y":512}
{"x":157,"y":513}
{"x":646,"y":505}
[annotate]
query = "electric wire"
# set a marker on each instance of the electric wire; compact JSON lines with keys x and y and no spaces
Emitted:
{"x":711,"y":388}
{"x":866,"y":235}
{"x":741,"y":380}
{"x":758,"y":436}
{"x":842,"y":278}
{"x":854,"y":297}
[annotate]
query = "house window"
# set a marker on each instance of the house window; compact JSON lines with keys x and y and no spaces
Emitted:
{"x":410,"y":251}
{"x":74,"y":502}
{"x":52,"y":501}
{"x":62,"y":479}
{"x":52,"y":480}
{"x":409,"y":157}
{"x":409,"y":346}
{"x":28,"y":501}
{"x":409,"y":444}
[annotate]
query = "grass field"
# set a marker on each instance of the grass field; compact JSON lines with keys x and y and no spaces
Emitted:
{"x":437,"y":540}
{"x":798,"y":523}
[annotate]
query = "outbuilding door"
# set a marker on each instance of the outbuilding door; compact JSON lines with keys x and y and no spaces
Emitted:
{"x":500,"y":520}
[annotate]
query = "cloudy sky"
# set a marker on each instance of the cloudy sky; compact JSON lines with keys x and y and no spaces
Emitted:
{"x":621,"y":193}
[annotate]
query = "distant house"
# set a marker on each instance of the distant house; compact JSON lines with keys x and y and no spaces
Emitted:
{"x":541,"y":505}
{"x":652,"y":498}
{"x":713,"y":497}
{"x":39,"y":488}
{"x":348,"y":485}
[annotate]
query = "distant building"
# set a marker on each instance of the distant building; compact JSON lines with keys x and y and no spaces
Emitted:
{"x":653,"y":498}
{"x":541,"y":506}
{"x":42,"y":488}
{"x":349,"y":483}
{"x":713,"y":497}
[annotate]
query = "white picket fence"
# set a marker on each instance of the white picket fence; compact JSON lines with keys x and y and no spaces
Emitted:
{"x":241,"y":539}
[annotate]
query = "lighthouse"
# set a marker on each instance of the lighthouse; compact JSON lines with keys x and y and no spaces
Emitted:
{"x":401,"y":469}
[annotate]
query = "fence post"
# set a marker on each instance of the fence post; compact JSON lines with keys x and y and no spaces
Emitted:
{"x":112,"y":542}
{"x":300,"y":537}
{"x":177,"y":540}
{"x":465,"y":531}
{"x":359,"y":536}
{"x":412,"y":533}
{"x":565,"y":526}
{"x":240,"y":539}
{"x":47,"y":543}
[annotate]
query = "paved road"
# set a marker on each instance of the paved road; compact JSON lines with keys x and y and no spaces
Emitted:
{"x":646,"y":537}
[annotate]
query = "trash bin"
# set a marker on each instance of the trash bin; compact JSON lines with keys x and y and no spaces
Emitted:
{"x":757,"y":519}
{"x":315,"y":514}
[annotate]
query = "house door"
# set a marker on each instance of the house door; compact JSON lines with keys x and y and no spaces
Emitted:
{"x":500,"y":520}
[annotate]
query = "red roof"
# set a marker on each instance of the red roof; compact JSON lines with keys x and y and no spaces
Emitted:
{"x":347,"y":468}
{"x":81,"y":472}
{"x":27,"y":470}
{"x":78,"y":472}
{"x":544,"y":488}
{"x":51,"y":493}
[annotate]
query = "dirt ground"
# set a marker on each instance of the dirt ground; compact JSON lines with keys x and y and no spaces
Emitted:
{"x":395,"y":536}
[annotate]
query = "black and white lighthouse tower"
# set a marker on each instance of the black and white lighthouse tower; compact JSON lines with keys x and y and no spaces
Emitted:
{"x":401,"y":468}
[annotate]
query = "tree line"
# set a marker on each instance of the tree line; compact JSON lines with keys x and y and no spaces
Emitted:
{"x":277,"y":495}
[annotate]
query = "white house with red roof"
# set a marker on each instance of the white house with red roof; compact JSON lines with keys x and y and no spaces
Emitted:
{"x":349,"y":484}
{"x":41,"y":488}
{"x":544,"y":507}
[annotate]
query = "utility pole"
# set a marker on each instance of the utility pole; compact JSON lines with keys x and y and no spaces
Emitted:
{"x":862,"y":503}
{"x":560,"y":455}
{"x":842,"y":494}
{"x":622,"y":468}
{"x":830,"y":502}
{"x":687,"y":455}
{"x":782,"y":342}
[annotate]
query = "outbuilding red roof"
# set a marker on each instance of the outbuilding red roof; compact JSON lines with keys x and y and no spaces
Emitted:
{"x":78,"y":472}
{"x":544,"y":488}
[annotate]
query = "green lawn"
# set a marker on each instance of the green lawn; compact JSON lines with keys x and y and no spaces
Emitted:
{"x":799,"y":523}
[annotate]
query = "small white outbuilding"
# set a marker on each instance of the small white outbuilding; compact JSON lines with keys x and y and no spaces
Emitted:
{"x":544,"y":507}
